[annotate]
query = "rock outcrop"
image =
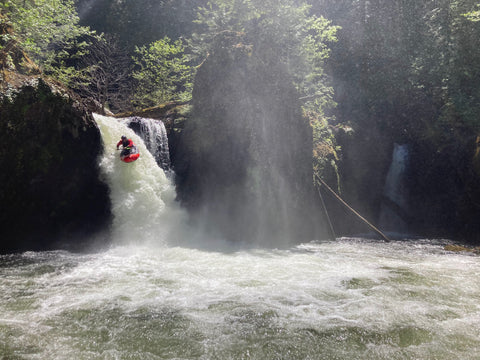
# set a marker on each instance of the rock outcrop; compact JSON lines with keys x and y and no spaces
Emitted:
{"x":244,"y":164}
{"x":442,"y":180}
{"x":51,"y":191}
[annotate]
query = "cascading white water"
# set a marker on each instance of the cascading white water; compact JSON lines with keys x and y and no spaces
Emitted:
{"x":155,"y":137}
{"x":149,"y":297}
{"x":142,"y":196}
{"x":350,"y":299}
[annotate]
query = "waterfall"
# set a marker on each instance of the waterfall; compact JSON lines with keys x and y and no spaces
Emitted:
{"x":393,"y":212}
{"x":143,"y":197}
{"x":351,"y":298}
{"x":154,"y":135}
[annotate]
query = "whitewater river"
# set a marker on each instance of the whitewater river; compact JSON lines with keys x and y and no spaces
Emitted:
{"x":163,"y":290}
{"x":349,"y":299}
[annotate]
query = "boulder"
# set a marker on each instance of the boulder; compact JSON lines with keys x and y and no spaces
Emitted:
{"x":51,"y":191}
{"x":51,"y":186}
{"x":244,"y":161}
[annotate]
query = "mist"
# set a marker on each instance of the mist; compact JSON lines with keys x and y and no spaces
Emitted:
{"x":389,"y":72}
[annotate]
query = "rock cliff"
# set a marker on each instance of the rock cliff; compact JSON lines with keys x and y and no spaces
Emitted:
{"x":442,"y":181}
{"x":244,"y":162}
{"x":51,"y":193}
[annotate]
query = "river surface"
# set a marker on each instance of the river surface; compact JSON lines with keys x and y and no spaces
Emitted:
{"x":164,"y":290}
{"x":349,"y":299}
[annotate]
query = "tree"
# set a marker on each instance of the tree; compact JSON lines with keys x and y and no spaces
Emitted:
{"x":162,"y":73}
{"x":449,"y":66}
{"x":473,"y":15}
{"x":139,"y":22}
{"x":48,"y":30}
{"x":110,"y":71}
{"x":279,"y":32}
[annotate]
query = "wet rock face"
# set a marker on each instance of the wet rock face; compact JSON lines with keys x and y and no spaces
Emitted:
{"x":446,"y":189}
{"x":244,"y":163}
{"x":51,"y":192}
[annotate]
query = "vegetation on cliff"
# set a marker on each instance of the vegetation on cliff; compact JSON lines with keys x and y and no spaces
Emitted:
{"x":282,"y":34}
{"x":408,"y":72}
{"x":400,"y":72}
{"x":50,"y":176}
{"x":48,"y":31}
{"x":244,"y":163}
{"x":162,"y":73}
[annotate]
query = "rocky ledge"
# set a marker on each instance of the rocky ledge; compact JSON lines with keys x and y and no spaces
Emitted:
{"x":51,"y":192}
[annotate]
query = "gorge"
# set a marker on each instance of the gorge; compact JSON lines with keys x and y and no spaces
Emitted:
{"x":165,"y":289}
{"x":214,"y":243}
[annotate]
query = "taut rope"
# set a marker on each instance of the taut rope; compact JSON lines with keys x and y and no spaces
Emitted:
{"x":350,"y":208}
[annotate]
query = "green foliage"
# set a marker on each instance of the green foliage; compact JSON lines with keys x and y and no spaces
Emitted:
{"x":139,"y":22}
{"x":48,"y":30}
{"x":451,"y":66}
{"x":325,"y":150}
{"x":473,"y":15}
{"x":285,"y":34}
{"x":280,"y":32}
{"x":410,"y":69}
{"x":162,"y":73}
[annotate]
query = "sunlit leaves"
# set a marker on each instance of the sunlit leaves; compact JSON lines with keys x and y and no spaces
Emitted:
{"x":281,"y":34}
{"x":452,"y":63}
{"x":162,"y":73}
{"x":48,"y":30}
{"x":473,"y":15}
{"x":280,"y":31}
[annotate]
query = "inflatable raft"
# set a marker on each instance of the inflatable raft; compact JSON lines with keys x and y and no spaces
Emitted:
{"x":132,"y":156}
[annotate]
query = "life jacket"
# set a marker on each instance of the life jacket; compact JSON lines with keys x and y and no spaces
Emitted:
{"x":127,"y":143}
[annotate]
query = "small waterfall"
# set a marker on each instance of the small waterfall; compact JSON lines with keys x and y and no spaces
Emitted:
{"x":154,"y":135}
{"x":393,"y":213}
{"x":143,"y":197}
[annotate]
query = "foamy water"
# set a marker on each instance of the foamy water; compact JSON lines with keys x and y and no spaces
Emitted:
{"x":350,"y":299}
{"x":143,"y":199}
{"x":165,"y":291}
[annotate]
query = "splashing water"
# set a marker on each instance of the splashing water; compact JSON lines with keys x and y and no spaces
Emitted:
{"x":163,"y":292}
{"x":350,"y":299}
{"x":154,"y":136}
{"x":142,"y":196}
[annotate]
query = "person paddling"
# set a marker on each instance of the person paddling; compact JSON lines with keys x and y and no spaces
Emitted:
{"x":127,"y":145}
